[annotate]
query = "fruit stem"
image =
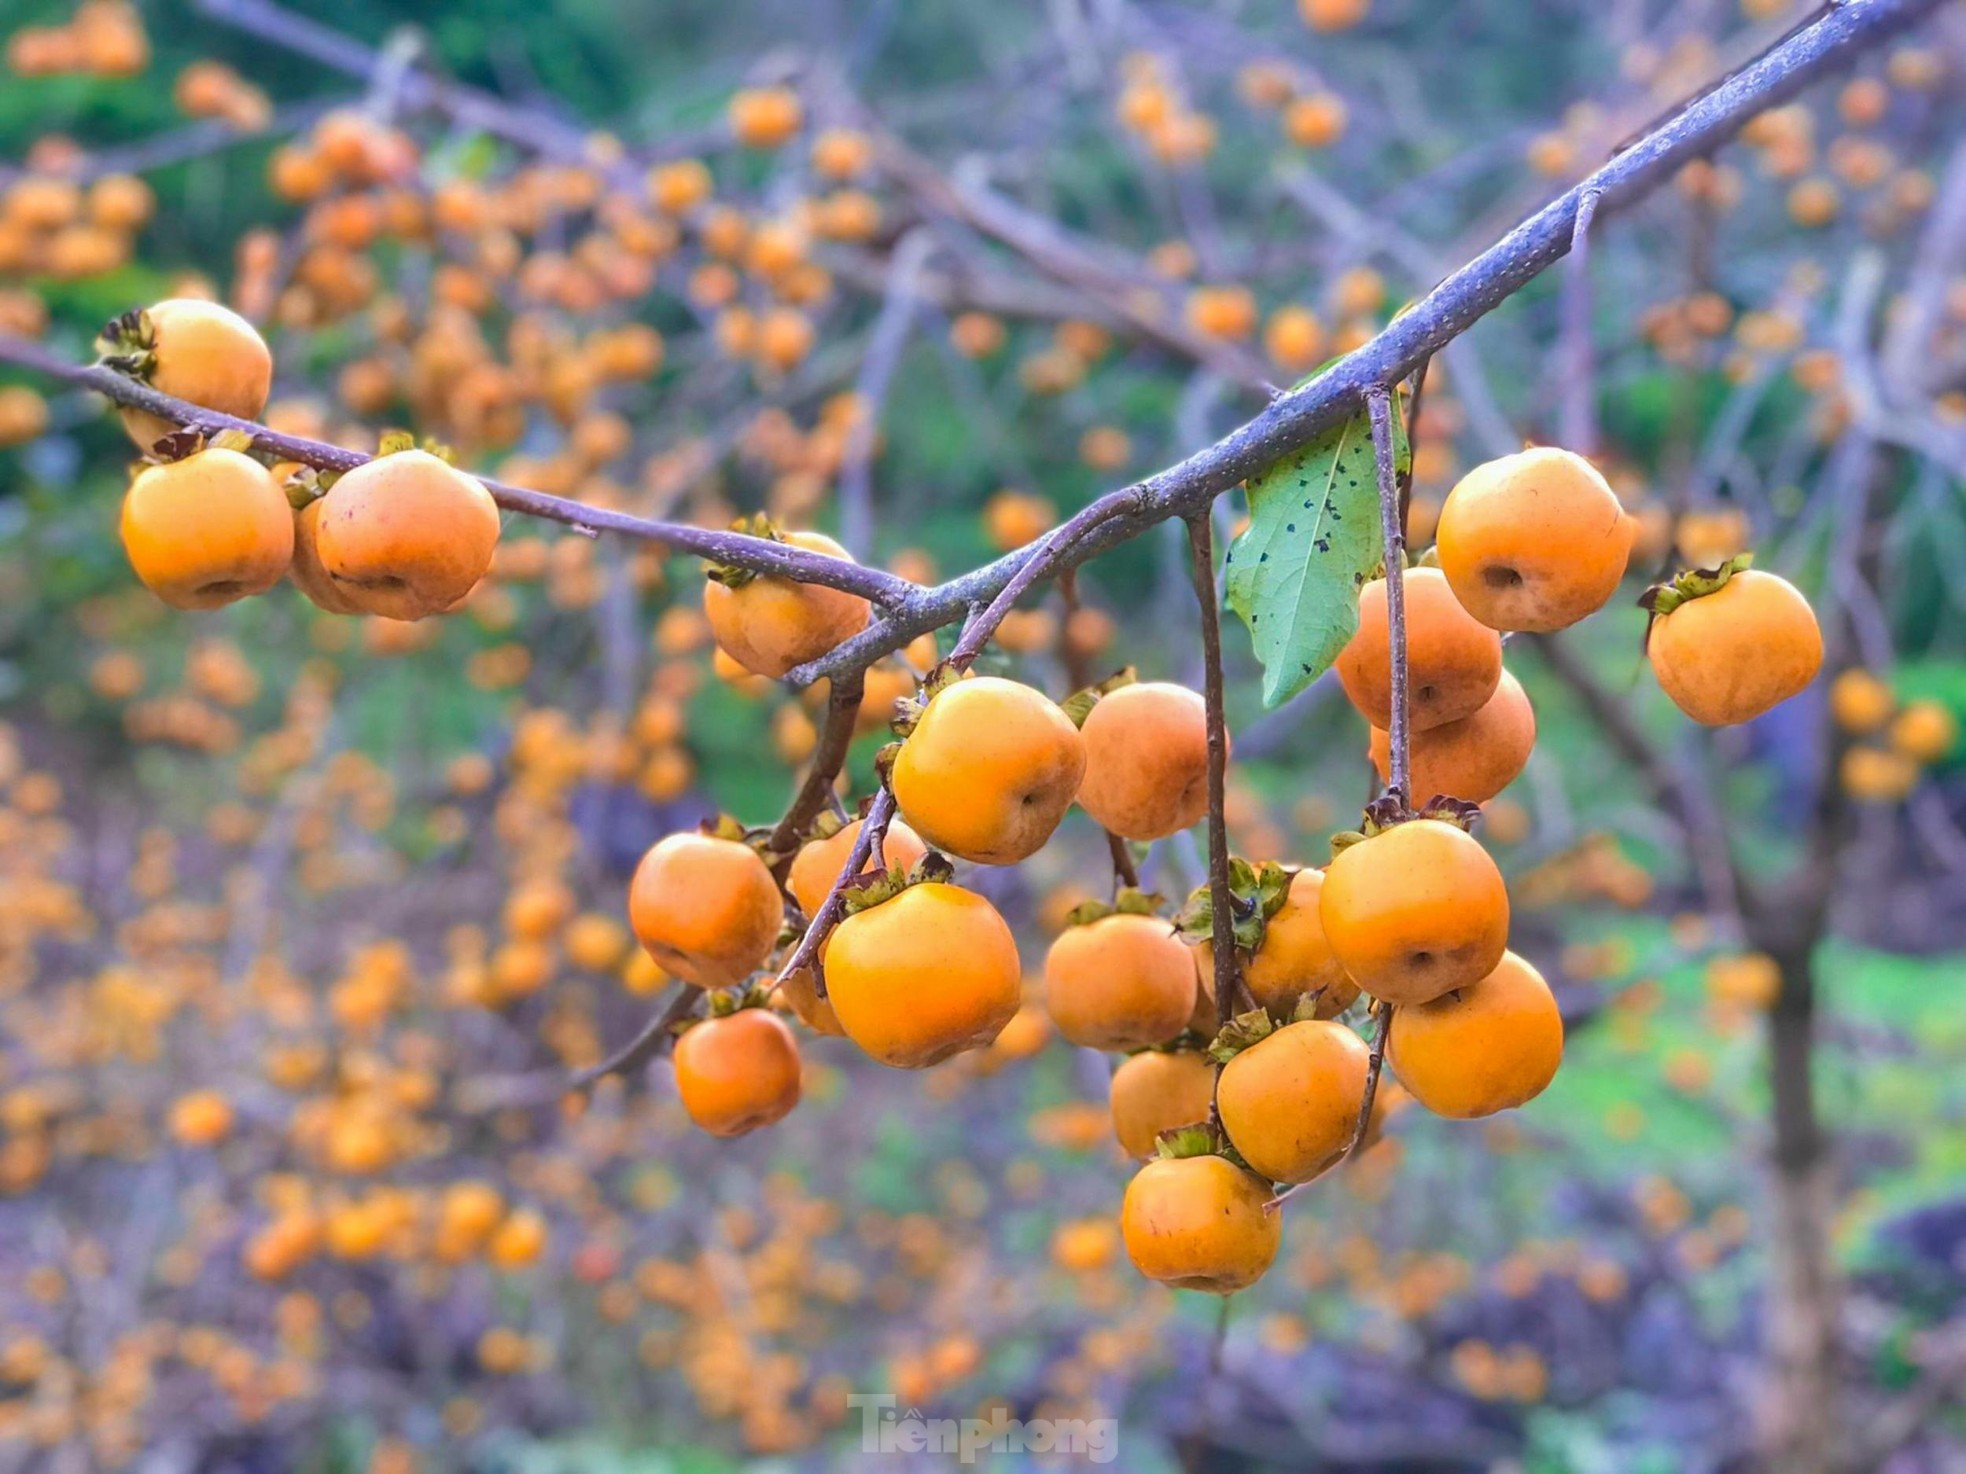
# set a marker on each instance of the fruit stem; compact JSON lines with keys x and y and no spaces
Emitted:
{"x":1078,"y":674}
{"x":1228,"y":975}
{"x":865,"y":844}
{"x":835,"y":741}
{"x":644,"y":1047}
{"x":1579,"y":427}
{"x":1400,"y":764}
{"x":1374,"y":1068}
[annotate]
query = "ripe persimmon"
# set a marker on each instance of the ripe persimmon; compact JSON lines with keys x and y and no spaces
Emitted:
{"x":1122,"y":982}
{"x":819,"y":861}
{"x":201,"y":352}
{"x":208,"y":529}
{"x":1482,"y":1048}
{"x":738,"y":1072}
{"x":769,"y":624}
{"x":1533,"y":541}
{"x":706,"y":908}
{"x":307,"y":573}
{"x":1474,"y":758}
{"x":1157,"y":1090}
{"x":1199,"y":1223}
{"x":989,"y":770}
{"x":1293,"y":960}
{"x":1290,"y":1101}
{"x":1146,"y":760}
{"x":1730,"y":646}
{"x":1415,"y":911}
{"x":407,"y":535}
{"x":1453,"y":660}
{"x":924,"y":975}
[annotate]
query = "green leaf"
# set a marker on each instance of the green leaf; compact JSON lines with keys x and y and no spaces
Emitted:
{"x":1313,"y":541}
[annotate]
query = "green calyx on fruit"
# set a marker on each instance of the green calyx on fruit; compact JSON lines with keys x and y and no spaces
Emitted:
{"x":128,"y":344}
{"x":1695,"y":583}
{"x":1129,"y":902}
{"x":1078,"y":706}
{"x":885,"y":885}
{"x":729,"y":574}
{"x":1256,"y":892}
{"x":1389,"y":811}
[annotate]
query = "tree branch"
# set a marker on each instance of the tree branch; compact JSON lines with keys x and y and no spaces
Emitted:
{"x":1398,"y":735}
{"x":1291,"y":420}
{"x":759,"y":554}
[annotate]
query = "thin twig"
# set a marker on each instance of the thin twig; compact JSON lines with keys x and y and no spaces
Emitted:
{"x":644,"y":1047}
{"x":835,"y":741}
{"x":1375,"y":1067}
{"x":865,"y":845}
{"x":1378,"y":404}
{"x":1579,"y":423}
{"x":1228,"y":974}
{"x":1078,"y":673}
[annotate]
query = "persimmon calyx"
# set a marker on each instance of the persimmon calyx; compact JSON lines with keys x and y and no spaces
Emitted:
{"x":1256,"y":892}
{"x":1131,"y":901}
{"x":395,"y":442}
{"x":908,"y":709}
{"x":1078,"y":706}
{"x":885,"y":885}
{"x":127,"y":344}
{"x":729,"y":574}
{"x":726,"y":1001}
{"x":1694,"y":583}
{"x":1389,"y":811}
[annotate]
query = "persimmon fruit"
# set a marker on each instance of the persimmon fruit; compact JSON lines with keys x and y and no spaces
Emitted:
{"x":1454,"y":661}
{"x":989,"y":770}
{"x":705,"y":908}
{"x":206,"y":530}
{"x":1486,"y":1047}
{"x":1146,"y":760}
{"x":738,"y":1072}
{"x":1533,"y":541}
{"x":1415,"y":911}
{"x":1199,"y":1223}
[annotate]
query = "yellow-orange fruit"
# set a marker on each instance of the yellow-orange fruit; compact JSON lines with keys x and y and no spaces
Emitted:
{"x":1157,"y":1091}
{"x":1122,"y":982}
{"x":307,"y":573}
{"x":1533,"y":541}
{"x":769,"y":624}
{"x":208,"y":529}
{"x":800,"y":993}
{"x":1293,"y":960}
{"x":1474,"y":758}
{"x":819,"y":861}
{"x":206,"y":354}
{"x":923,"y":976}
{"x":706,"y":908}
{"x":1290,"y":1102}
{"x":407,"y":535}
{"x":1729,"y":656}
{"x":1860,"y":701}
{"x":1453,"y":660}
{"x":738,"y":1072}
{"x":1146,"y":760}
{"x":989,"y":770}
{"x":1487,"y":1047}
{"x":1415,"y":911}
{"x":1199,"y":1223}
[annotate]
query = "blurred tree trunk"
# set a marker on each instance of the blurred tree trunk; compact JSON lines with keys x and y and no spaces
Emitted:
{"x":1803,"y":1430}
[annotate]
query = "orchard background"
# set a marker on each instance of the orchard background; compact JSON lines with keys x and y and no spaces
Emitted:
{"x":327,"y":1143}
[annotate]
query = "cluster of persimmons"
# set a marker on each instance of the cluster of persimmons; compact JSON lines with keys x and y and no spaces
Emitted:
{"x":913,"y":968}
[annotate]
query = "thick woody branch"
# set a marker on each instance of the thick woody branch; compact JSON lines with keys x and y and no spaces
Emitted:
{"x":761,"y":555}
{"x":1291,"y":420}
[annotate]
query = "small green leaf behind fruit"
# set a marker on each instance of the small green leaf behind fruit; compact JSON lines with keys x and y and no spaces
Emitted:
{"x":1313,"y":541}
